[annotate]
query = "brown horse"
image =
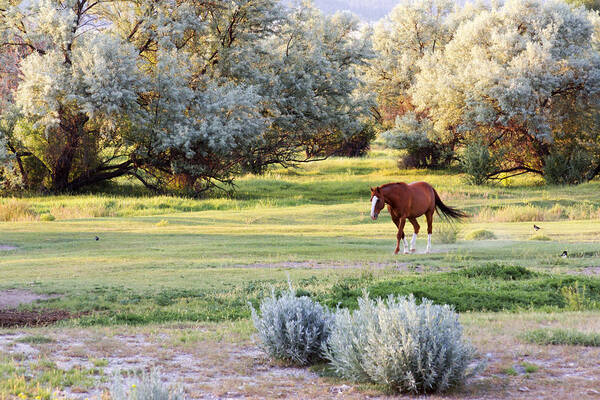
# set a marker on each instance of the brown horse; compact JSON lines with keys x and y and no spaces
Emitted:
{"x":410,"y":201}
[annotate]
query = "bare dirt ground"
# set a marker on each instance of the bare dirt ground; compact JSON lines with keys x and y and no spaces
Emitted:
{"x":397,"y":265}
{"x":212,"y":361}
{"x":15,"y":318}
{"x":11,"y":317}
{"x":12,"y":298}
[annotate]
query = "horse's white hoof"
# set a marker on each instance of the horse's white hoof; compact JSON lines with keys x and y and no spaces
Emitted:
{"x":413,"y":250}
{"x":406,"y":252}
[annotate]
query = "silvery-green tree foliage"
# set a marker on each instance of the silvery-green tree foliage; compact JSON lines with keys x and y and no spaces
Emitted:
{"x":79,"y":88}
{"x":410,"y":133}
{"x":403,"y":345}
{"x":190,"y":92}
{"x":524,"y":77}
{"x":413,"y":30}
{"x":292,"y":328}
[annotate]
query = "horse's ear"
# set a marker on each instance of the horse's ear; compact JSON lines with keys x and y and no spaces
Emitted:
{"x":372,"y":190}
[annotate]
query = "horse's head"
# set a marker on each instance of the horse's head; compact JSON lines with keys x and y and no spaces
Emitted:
{"x":377,"y":202}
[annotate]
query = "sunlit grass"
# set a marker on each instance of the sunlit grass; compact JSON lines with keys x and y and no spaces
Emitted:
{"x":168,"y":258}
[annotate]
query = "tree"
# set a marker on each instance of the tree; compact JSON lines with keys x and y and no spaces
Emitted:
{"x":413,"y":30}
{"x":192,"y":92}
{"x":525,"y":77}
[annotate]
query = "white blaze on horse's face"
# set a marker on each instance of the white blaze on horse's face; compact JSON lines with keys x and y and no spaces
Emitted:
{"x":373,"y":205}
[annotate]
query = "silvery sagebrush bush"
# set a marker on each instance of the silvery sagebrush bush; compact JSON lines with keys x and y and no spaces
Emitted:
{"x":148,"y":386}
{"x":292,"y":328}
{"x":405,"y":346}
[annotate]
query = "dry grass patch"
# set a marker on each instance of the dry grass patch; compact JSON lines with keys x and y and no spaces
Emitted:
{"x":14,"y":210}
{"x":75,"y":212}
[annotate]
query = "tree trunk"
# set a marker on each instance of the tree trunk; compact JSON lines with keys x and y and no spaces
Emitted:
{"x":72,"y":129}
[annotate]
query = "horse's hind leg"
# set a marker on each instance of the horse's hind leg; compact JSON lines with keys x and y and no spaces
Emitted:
{"x":429,"y":217}
{"x":413,"y":242}
{"x":396,"y":220}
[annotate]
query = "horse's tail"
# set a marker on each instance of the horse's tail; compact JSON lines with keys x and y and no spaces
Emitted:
{"x":448,"y":212}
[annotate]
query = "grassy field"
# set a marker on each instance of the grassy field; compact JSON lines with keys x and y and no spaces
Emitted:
{"x":165,"y":262}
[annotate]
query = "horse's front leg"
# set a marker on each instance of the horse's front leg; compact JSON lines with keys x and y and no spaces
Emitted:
{"x":401,"y":236}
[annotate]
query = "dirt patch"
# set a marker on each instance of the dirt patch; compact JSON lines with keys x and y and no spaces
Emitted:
{"x":4,"y":247}
{"x":399,"y":264}
{"x":15,"y":318}
{"x":13,"y":298}
{"x":314,"y":265}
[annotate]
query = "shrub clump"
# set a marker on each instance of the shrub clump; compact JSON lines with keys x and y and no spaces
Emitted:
{"x":562,"y":337}
{"x":405,"y":346}
{"x":292,"y":328}
{"x":540,"y":238}
{"x":567,"y":169}
{"x":47,"y":217}
{"x":497,"y":271}
{"x":148,"y":386}
{"x":480,"y":234}
{"x":478,"y":163}
{"x":447,"y":232}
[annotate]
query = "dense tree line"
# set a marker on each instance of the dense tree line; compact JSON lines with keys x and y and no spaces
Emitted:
{"x":190,"y":94}
{"x":504,"y":89}
{"x":186,"y":93}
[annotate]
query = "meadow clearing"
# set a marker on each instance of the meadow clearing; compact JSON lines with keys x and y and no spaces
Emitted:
{"x":169,"y":281}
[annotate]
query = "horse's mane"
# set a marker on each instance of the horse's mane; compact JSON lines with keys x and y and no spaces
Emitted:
{"x":391,"y":184}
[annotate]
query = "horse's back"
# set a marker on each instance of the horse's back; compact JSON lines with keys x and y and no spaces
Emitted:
{"x":423,"y":196}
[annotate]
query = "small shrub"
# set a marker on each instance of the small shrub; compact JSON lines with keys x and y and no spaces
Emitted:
{"x":405,"y":346}
{"x":567,"y":169}
{"x":148,"y":386}
{"x":357,"y":145}
{"x":478,"y":163}
{"x":576,"y":297}
{"x":542,"y":238}
{"x":562,"y":337}
{"x":497,"y":271}
{"x":446,"y":232}
{"x":411,"y":134}
{"x":480,"y":234}
{"x":47,"y":217}
{"x":292,"y":328}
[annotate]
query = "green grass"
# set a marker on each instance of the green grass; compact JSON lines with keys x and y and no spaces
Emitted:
{"x":35,"y":339}
{"x":480,"y":234}
{"x":486,"y":288}
{"x":562,"y":337}
{"x":541,"y":238}
{"x":168,"y":258}
{"x":510,"y":371}
{"x":40,"y":378}
{"x":530,"y":368}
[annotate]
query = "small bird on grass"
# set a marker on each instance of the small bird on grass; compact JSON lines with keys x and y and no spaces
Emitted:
{"x":564,"y":254}
{"x":96,"y":237}
{"x":537,"y":228}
